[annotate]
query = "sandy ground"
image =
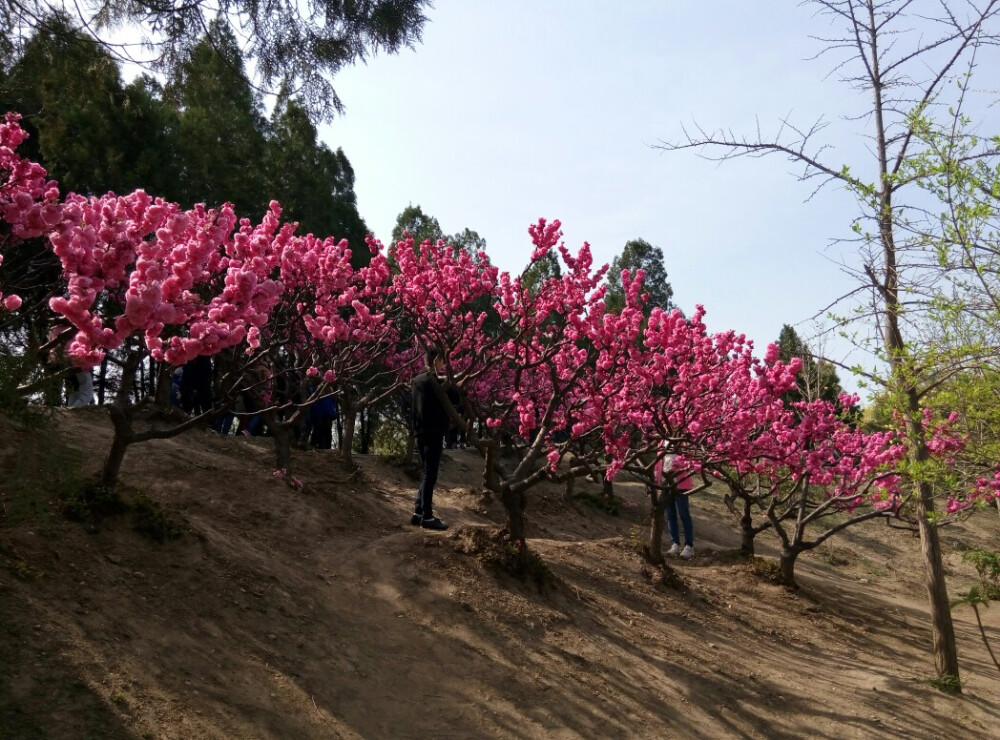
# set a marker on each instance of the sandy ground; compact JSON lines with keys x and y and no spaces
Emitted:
{"x":322,"y":614}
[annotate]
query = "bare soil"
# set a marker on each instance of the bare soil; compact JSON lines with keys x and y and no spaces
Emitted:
{"x":322,"y":613}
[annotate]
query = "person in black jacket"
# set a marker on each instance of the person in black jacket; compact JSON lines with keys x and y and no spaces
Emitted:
{"x":430,"y":424}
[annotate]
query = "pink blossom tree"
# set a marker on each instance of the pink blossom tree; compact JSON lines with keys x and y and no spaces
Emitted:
{"x":329,"y":336}
{"x":691,"y":394}
{"x":147,"y":277}
{"x":817,"y":470}
{"x":538,"y":378}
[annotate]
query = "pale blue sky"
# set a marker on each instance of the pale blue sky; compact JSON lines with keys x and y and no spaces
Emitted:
{"x":515,"y":110}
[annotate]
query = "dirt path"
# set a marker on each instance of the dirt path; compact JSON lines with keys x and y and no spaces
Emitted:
{"x":324,"y":614}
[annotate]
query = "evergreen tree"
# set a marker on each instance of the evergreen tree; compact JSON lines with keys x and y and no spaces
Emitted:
{"x":69,"y":91}
{"x":314,"y":184}
{"x":468,"y":240}
{"x":640,"y":254}
{"x":292,"y":44}
{"x":221,"y":138}
{"x":413,"y":221}
{"x":818,"y":379}
{"x":536,"y":273}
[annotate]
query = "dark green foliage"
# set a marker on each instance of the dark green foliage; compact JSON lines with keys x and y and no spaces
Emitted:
{"x":90,"y":132}
{"x":221,"y":132}
{"x":293,"y":45}
{"x":514,"y":558}
{"x":541,"y":270}
{"x":15,"y":368}
{"x":70,"y":93}
{"x":203,"y":138}
{"x":91,"y":504}
{"x":640,"y":254}
{"x":947,"y":683}
{"x":314,"y":183}
{"x":152,"y":127}
{"x":422,"y":227}
{"x":469,"y":241}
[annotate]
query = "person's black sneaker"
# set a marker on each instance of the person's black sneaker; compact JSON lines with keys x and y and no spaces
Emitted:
{"x":416,"y":519}
{"x":433,"y":523}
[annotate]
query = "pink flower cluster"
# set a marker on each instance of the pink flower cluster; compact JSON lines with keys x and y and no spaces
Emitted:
{"x":183,"y":280}
{"x":28,"y":203}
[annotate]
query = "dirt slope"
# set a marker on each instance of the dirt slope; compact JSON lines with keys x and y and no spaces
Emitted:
{"x":323,"y":614}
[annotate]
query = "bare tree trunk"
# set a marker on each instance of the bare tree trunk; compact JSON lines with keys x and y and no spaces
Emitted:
{"x":747,"y":533}
{"x":608,"y":491}
{"x":121,"y":413}
{"x":102,"y":381}
{"x":491,"y":479}
{"x":654,"y":548}
{"x":411,"y":447}
{"x":513,"y":506}
{"x":162,"y":387}
{"x":350,"y":416}
{"x":121,"y":420}
{"x":942,"y":627}
{"x":136,"y":383}
{"x":365,"y":431}
{"x":787,"y":565}
{"x":281,"y":433}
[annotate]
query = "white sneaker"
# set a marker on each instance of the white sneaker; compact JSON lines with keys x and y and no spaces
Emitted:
{"x":674,"y":550}
{"x":687,"y":552}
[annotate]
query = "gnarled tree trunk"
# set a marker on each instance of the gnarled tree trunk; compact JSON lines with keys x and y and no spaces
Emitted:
{"x":654,"y":548}
{"x":747,"y":532}
{"x":513,"y":506}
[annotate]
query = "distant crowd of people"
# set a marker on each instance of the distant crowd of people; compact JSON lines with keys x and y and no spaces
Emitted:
{"x":192,"y":390}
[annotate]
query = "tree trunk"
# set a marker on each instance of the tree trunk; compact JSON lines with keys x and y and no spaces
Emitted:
{"x":787,"y":564}
{"x":608,"y":491}
{"x":162,"y":386}
{"x":136,"y":383}
{"x":513,"y":506}
{"x":121,"y":419}
{"x":491,"y":479}
{"x":281,"y":432}
{"x":102,"y":382}
{"x":654,"y":549}
{"x":900,"y":357}
{"x":942,"y":628}
{"x":411,"y":447}
{"x":121,"y":413}
{"x":349,"y":415}
{"x":366,"y":431}
{"x":570,"y":487}
{"x":747,"y":533}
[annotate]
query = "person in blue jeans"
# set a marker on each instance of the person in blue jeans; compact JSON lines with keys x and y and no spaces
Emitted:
{"x":680,"y":508}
